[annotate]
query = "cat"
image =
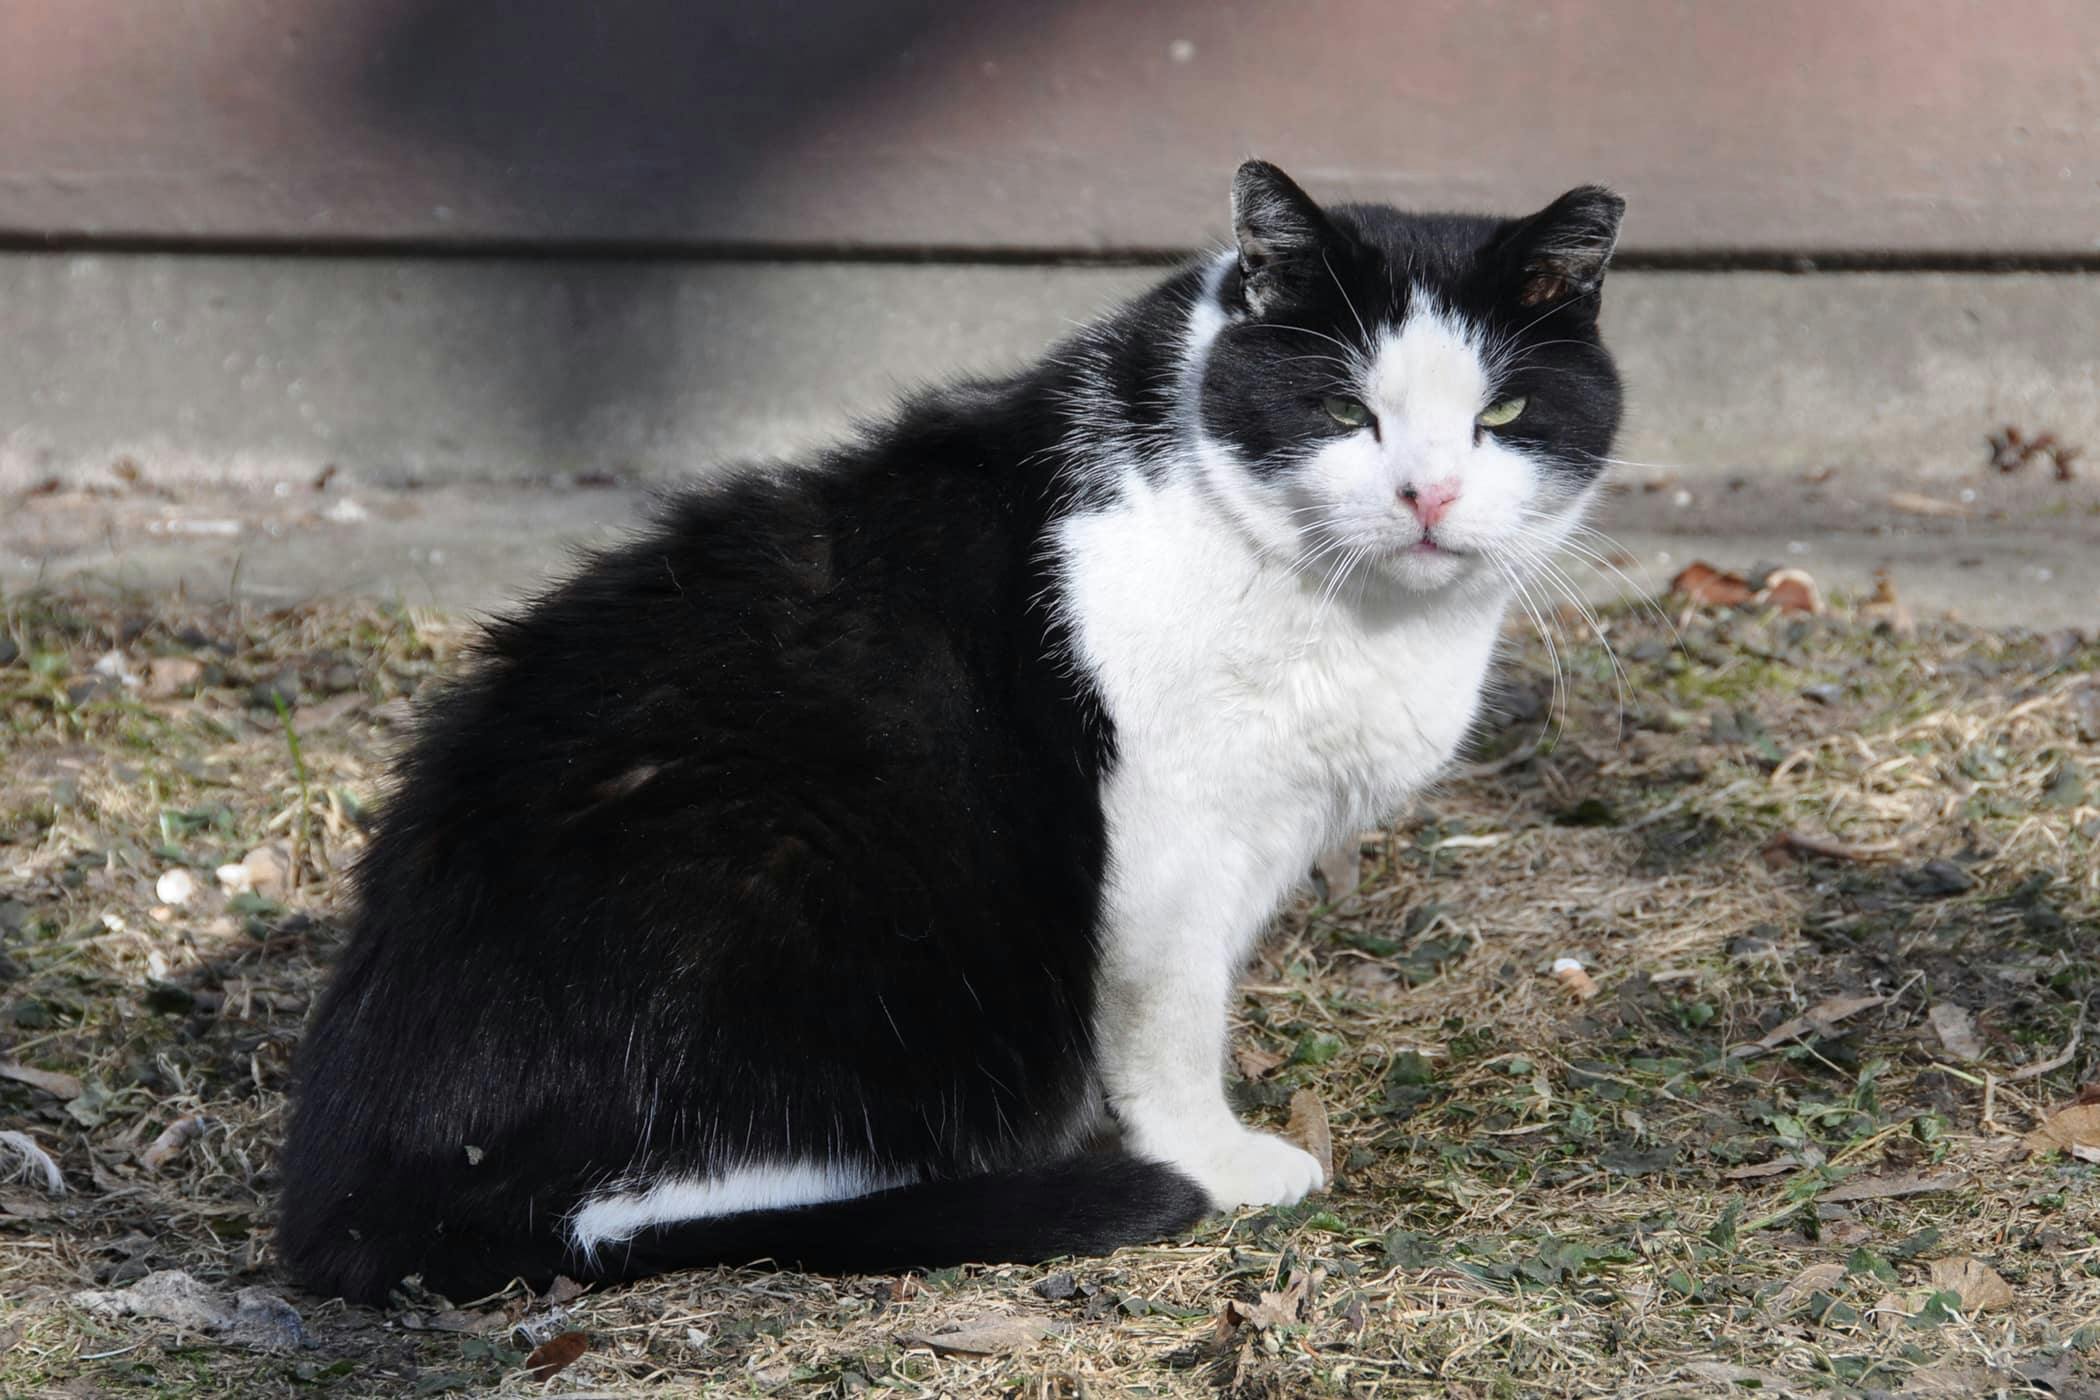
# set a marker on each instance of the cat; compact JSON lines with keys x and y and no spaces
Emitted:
{"x":853,"y":872}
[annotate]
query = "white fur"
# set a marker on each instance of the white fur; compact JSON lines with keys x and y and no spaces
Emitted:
{"x":614,"y":1216}
{"x":1266,"y":704}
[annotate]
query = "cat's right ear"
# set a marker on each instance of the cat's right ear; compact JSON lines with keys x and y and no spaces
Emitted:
{"x":1281,"y":233}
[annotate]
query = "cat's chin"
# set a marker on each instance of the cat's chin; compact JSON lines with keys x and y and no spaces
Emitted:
{"x":1431,"y":570}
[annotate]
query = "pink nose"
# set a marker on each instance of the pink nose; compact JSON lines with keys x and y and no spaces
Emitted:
{"x":1429,"y":503}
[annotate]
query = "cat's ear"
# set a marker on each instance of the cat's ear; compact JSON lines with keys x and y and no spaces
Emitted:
{"x":1281,"y":233}
{"x":1559,"y":254}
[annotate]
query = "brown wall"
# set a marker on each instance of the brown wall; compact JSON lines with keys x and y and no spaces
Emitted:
{"x":1920,"y":126}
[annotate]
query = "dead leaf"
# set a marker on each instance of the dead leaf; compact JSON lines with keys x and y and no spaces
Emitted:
{"x":1911,"y":503}
{"x":1956,"y":1029}
{"x":1816,"y":1020}
{"x":25,"y":1205}
{"x":1254,"y":1062}
{"x":1270,"y":1310}
{"x":1704,"y":584}
{"x":1884,"y":607}
{"x":1778,"y":1166}
{"x":1309,"y":1129}
{"x":1978,"y":1284}
{"x":563,"y":1290}
{"x":173,"y":1138}
{"x":1575,"y":978}
{"x":1816,"y":1277}
{"x":1881,"y":1188}
{"x":2067,"y":1130}
{"x":170,"y":676}
{"x":1791,"y":590}
{"x":51,"y":1081}
{"x":991,"y":1335}
{"x":1892,"y":1309}
{"x":556,"y":1354}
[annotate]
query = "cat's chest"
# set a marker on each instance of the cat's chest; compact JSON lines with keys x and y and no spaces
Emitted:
{"x":1253,"y":684}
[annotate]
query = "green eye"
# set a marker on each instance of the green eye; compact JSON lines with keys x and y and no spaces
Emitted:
{"x":1507,"y":411}
{"x":1347,"y":412}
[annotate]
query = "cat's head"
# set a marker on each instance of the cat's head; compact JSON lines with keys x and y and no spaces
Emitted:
{"x":1424,"y":396}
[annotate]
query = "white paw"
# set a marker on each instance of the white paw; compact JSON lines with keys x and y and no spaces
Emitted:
{"x":1254,"y":1169}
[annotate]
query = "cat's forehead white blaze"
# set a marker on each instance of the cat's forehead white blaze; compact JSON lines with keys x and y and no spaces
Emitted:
{"x":1428,"y":373}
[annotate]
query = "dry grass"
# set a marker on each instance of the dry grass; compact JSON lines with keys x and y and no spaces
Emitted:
{"x":1538,"y":1195}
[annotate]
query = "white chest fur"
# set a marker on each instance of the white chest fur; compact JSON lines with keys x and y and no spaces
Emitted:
{"x":1250,"y":705}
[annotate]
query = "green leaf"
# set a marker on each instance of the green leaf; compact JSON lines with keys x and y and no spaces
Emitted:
{"x":1866,"y":1261}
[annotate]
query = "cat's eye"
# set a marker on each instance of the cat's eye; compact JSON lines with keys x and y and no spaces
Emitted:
{"x":1497,"y":415}
{"x":1347,"y":412}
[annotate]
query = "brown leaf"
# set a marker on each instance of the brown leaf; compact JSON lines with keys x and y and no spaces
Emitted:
{"x":563,"y":1290}
{"x":1817,"y":1019}
{"x":1892,"y":1309}
{"x":1703,"y":583}
{"x":2067,"y":1130}
{"x":994,"y":1334}
{"x":1271,"y":1310}
{"x":1956,"y":1029}
{"x":1979,"y":1285}
{"x":51,"y":1081}
{"x":555,"y":1354}
{"x":1885,"y":606}
{"x":173,"y":1138}
{"x":1881,"y":1188}
{"x":170,"y":676}
{"x":1792,"y":590}
{"x":1254,"y":1062}
{"x":1778,"y":1166}
{"x":1815,"y":1277}
{"x":1308,"y":1128}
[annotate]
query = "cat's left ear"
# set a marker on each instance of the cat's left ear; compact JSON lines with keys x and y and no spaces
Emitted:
{"x":1559,"y":254}
{"x":1280,"y":231}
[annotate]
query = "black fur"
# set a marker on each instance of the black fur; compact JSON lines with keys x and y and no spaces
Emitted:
{"x":776,"y":836}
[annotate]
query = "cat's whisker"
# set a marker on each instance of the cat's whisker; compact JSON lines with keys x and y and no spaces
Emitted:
{"x":1556,"y":708}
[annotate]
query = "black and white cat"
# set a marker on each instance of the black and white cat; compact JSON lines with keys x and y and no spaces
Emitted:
{"x":854,"y":872}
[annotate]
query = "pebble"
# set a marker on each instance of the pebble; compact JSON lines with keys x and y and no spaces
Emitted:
{"x":175,"y":887}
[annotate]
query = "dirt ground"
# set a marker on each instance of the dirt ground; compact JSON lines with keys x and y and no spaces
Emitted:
{"x":1819,"y":1114}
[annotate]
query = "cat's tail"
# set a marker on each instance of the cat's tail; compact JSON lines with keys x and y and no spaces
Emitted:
{"x":1084,"y":1205}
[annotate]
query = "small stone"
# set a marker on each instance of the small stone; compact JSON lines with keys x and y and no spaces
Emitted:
{"x":117,"y":666}
{"x":283,"y":686}
{"x":1823,"y":694}
{"x":90,"y":688}
{"x":2085,"y":703}
{"x":8,"y":651}
{"x":340,"y":677}
{"x":175,"y":887}
{"x":1937,"y":879}
{"x":1057,"y":1287}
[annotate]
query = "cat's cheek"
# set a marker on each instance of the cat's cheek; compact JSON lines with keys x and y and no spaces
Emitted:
{"x":1352,"y":485}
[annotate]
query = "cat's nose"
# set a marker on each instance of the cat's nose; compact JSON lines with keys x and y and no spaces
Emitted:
{"x":1431,"y":502}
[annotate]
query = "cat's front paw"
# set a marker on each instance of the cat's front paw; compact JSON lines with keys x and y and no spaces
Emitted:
{"x":1255,"y":1169}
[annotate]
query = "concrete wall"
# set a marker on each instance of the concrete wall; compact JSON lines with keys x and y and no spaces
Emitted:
{"x":266,"y":369}
{"x":1864,"y":126}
